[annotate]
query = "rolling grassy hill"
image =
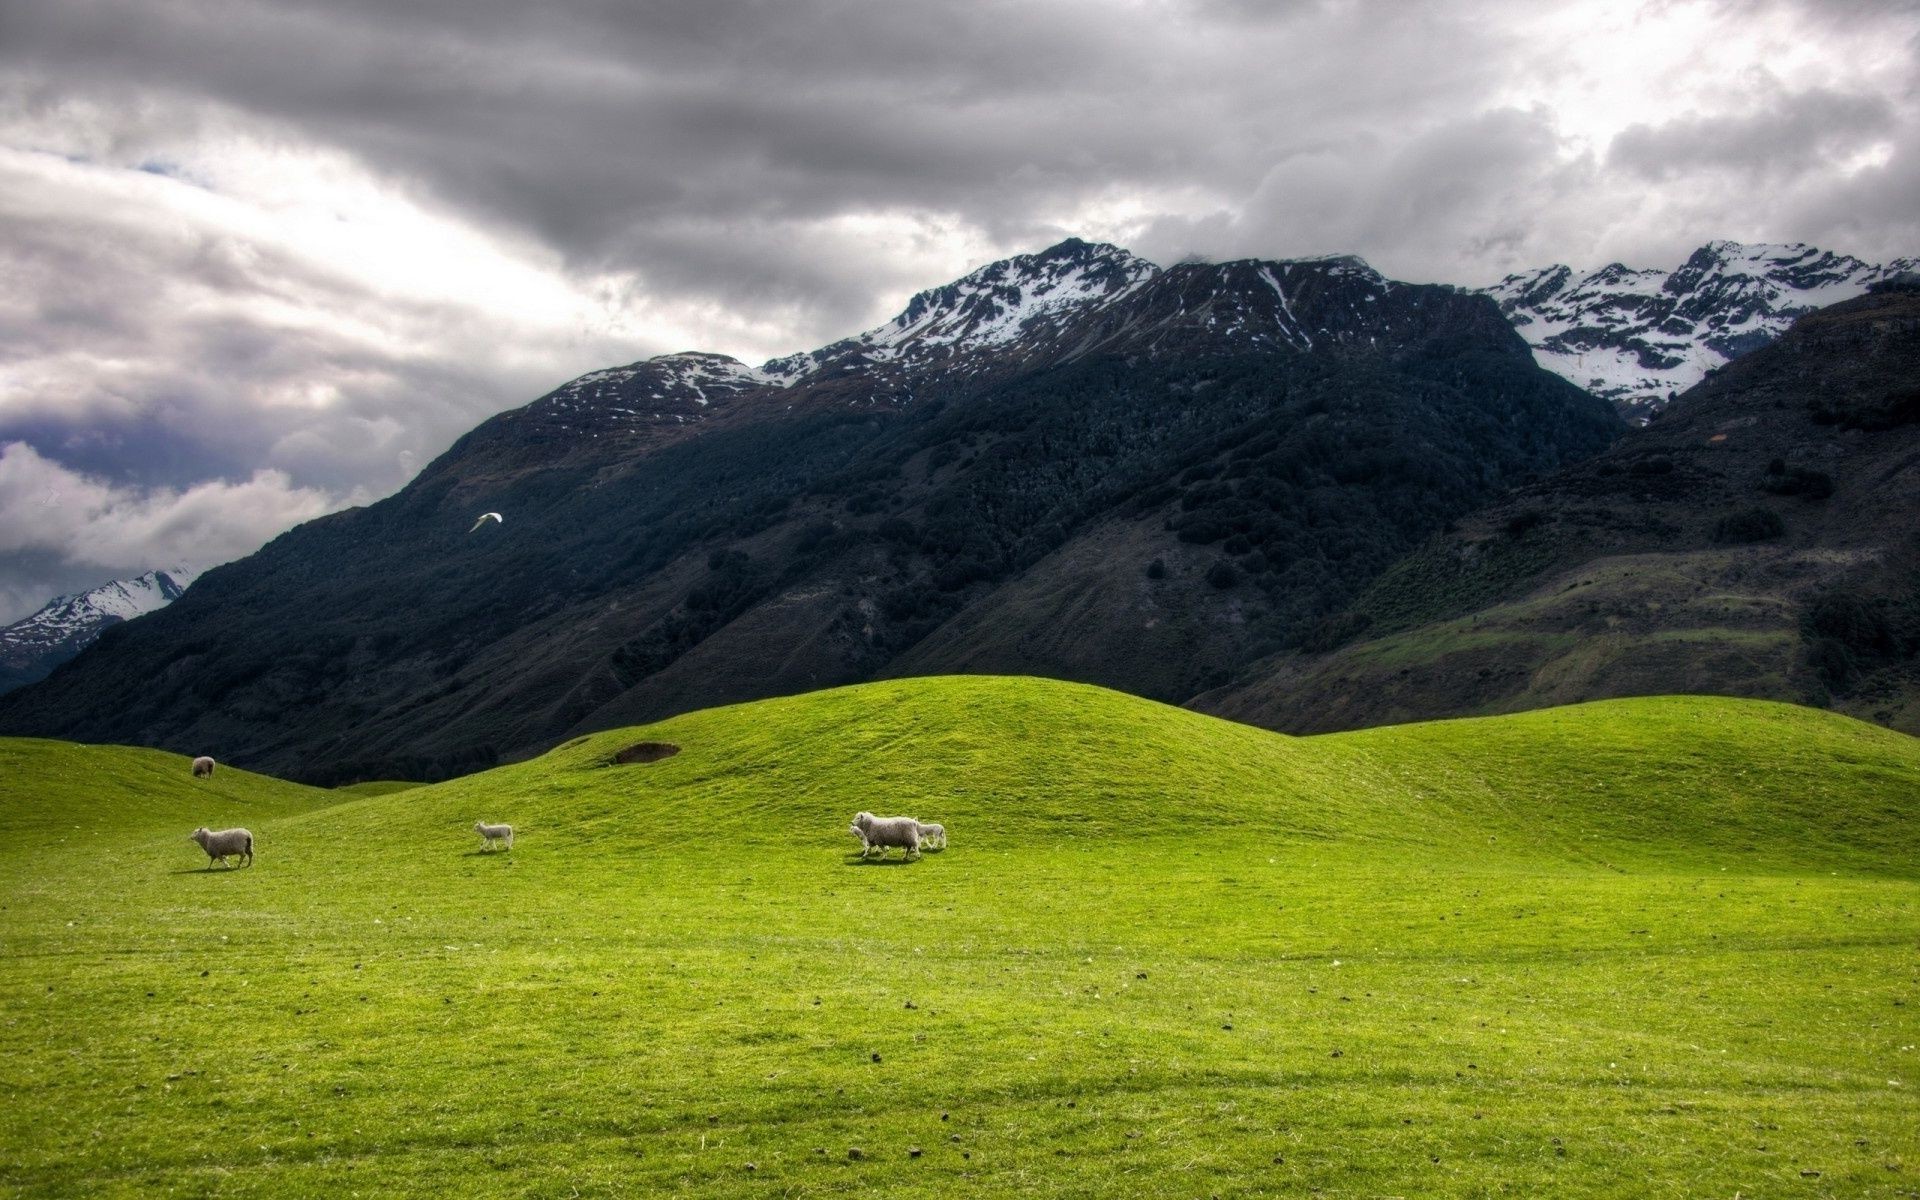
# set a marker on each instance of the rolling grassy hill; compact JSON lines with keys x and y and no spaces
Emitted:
{"x":1650,"y":947}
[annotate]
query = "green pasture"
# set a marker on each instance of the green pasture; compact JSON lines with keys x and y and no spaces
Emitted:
{"x":1663,"y":947}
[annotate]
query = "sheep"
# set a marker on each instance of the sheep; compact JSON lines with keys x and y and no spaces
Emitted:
{"x":203,"y":767}
{"x":489,"y":834}
{"x":933,"y":835}
{"x":882,"y":832}
{"x":219,"y":845}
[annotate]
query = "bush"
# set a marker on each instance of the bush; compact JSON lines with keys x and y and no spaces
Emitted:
{"x":1222,"y":575}
{"x":1525,"y":519}
{"x":1832,"y":664}
{"x":1753,"y":525}
{"x":1850,"y":622}
{"x":1659,"y":464}
{"x":1156,"y":569}
{"x":1798,"y":481}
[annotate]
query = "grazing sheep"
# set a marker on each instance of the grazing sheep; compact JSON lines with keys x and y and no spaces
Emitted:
{"x":203,"y":767}
{"x":882,"y":832}
{"x":489,"y":834}
{"x":219,"y":845}
{"x":933,"y":835}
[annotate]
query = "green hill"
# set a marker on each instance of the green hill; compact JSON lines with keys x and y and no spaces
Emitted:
{"x":54,"y":790}
{"x":1650,"y":947}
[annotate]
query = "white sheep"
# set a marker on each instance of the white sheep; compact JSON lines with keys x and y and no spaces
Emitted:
{"x":489,"y":834}
{"x":203,"y":767}
{"x":882,"y":832}
{"x":933,"y":835}
{"x":219,"y":845}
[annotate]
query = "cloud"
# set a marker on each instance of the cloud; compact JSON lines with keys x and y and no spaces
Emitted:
{"x":61,"y":530}
{"x":1789,"y":135}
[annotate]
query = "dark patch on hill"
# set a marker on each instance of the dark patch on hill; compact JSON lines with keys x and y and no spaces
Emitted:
{"x":645,"y":752}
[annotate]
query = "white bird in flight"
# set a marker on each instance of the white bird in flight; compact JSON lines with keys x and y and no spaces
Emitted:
{"x":484,"y":518}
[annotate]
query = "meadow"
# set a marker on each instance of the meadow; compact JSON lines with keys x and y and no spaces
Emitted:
{"x":1656,"y":947}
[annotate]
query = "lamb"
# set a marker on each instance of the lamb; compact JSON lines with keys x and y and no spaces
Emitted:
{"x":203,"y":767}
{"x":489,"y":834}
{"x":219,"y":845}
{"x":933,"y":835}
{"x":882,"y":832}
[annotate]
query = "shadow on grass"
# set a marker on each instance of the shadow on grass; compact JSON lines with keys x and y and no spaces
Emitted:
{"x":209,"y":870}
{"x":506,"y":854}
{"x":857,"y":861}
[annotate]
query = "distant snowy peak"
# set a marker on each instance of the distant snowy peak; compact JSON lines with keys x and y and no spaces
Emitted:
{"x":127,"y":598}
{"x":31,"y":648}
{"x":1634,"y":336}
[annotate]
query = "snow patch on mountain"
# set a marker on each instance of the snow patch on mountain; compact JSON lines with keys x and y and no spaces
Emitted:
{"x":1637,"y":336}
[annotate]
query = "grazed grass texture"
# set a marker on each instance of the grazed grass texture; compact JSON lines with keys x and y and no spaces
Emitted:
{"x":1660,"y":948}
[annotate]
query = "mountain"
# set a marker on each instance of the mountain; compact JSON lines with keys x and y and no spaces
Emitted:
{"x":1071,"y":463}
{"x":1757,"y":538}
{"x":1639,"y":336}
{"x":33,"y":646}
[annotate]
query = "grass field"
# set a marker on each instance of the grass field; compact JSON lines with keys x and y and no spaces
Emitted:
{"x":1664,"y":947}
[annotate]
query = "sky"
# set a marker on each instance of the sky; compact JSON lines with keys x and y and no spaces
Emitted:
{"x":265,"y":259}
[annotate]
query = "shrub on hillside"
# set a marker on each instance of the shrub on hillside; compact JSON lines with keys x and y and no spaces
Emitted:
{"x":1851,"y":622}
{"x":1222,"y":575}
{"x":1799,"y":481}
{"x":1527,"y":518}
{"x":1833,"y":664}
{"x":1753,"y":525}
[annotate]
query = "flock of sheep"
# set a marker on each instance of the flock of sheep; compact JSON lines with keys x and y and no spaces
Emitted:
{"x":875,"y":833}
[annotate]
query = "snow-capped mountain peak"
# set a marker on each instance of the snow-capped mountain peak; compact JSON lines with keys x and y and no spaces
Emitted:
{"x":995,"y":304}
{"x":1636,"y":335}
{"x":1001,"y":303}
{"x":32,"y":647}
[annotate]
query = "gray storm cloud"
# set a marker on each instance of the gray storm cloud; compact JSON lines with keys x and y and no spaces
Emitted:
{"x":273,"y":244}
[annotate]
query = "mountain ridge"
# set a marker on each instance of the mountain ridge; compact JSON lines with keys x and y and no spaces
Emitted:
{"x":689,"y":530}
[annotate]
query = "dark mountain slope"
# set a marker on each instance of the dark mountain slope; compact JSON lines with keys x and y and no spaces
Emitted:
{"x":1761,"y":538}
{"x":690,"y":531}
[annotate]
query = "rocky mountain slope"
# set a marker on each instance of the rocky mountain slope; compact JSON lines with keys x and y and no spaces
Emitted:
{"x":32,"y":647}
{"x":1070,"y":463}
{"x":1637,"y":337}
{"x":1758,"y":538}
